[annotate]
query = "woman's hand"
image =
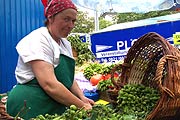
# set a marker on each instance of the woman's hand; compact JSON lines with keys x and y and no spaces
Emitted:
{"x":87,"y":106}
{"x":87,"y":100}
{"x":88,"y":103}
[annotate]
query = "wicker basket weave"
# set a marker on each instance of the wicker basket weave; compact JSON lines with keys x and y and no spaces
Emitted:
{"x":153,"y":62}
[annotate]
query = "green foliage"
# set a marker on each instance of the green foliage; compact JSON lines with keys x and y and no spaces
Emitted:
{"x":97,"y":68}
{"x":104,"y":23}
{"x":104,"y":85}
{"x":84,"y":24}
{"x":131,"y":16}
{"x":82,"y":49}
{"x":92,"y":69}
{"x":127,"y":17}
{"x":107,"y":68}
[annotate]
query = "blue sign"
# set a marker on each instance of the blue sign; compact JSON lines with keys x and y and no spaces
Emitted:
{"x":113,"y":45}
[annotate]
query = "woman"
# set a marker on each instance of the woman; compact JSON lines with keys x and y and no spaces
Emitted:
{"x":45,"y":68}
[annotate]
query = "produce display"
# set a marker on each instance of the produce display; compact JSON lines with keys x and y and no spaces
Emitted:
{"x":95,"y":79}
{"x":99,"y":112}
{"x":135,"y":102}
{"x":97,"y":68}
{"x":92,"y":69}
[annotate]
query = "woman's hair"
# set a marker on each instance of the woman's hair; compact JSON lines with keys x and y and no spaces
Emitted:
{"x":45,"y":22}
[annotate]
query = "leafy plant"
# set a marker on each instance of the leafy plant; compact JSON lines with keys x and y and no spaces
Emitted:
{"x":97,"y":68}
{"x":92,"y":69}
{"x":84,"y":54}
{"x":104,"y":85}
{"x":107,"y":68}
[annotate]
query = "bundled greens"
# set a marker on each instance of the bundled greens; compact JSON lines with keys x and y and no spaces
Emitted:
{"x":137,"y":100}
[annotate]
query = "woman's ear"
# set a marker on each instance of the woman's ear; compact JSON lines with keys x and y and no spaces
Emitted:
{"x":50,"y":19}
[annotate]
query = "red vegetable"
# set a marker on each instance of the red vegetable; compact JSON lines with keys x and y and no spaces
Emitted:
{"x":116,"y":75}
{"x":108,"y":76}
{"x":95,"y":79}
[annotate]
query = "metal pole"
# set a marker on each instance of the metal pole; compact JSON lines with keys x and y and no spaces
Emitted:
{"x":96,"y":18}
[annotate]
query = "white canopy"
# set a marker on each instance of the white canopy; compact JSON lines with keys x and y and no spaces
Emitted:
{"x":121,"y":6}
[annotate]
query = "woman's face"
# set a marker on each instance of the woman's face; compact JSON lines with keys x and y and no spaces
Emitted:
{"x":62,"y":23}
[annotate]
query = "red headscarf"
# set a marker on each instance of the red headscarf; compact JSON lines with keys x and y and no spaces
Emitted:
{"x":55,"y":6}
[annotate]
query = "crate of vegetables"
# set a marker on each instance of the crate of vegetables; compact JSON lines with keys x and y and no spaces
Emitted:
{"x":151,"y":67}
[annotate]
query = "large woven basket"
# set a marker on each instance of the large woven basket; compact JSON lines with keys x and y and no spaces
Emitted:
{"x":153,"y":62}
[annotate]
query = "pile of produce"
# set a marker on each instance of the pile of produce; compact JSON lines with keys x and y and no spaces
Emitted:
{"x":96,"y":72}
{"x":99,"y":112}
{"x":135,"y":102}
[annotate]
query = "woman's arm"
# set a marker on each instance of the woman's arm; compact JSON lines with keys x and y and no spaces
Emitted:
{"x":78,"y":92}
{"x":44,"y":72}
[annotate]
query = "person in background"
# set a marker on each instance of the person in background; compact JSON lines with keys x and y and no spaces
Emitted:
{"x":45,"y":68}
